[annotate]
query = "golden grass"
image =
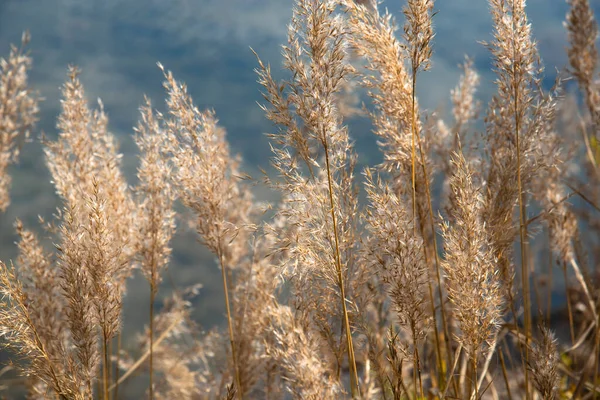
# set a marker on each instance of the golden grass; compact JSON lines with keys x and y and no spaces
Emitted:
{"x":329,"y":297}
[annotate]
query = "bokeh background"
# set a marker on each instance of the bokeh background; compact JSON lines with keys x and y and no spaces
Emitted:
{"x":206,"y":43}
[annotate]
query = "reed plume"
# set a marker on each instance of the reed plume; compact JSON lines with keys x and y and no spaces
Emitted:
{"x":208,"y":183}
{"x":321,"y":194}
{"x":156,"y":223}
{"x":470,"y":266}
{"x":544,"y":368}
{"x":398,"y":258}
{"x":582,"y":31}
{"x":18,"y":113}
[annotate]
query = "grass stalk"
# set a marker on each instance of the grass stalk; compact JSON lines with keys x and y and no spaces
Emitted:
{"x":118,"y":363}
{"x":475,"y":382}
{"x":433,"y":232}
{"x":230,"y":325}
{"x":522,"y":215}
{"x":451,"y":372}
{"x":106,"y":394}
{"x":504,"y":373}
{"x":597,"y":358}
{"x":151,"y":333}
{"x":143,"y":358}
{"x":437,"y":261}
{"x":549,"y":283}
{"x":568,"y":298}
{"x":354,"y":386}
{"x":413,"y":124}
{"x":417,"y":362}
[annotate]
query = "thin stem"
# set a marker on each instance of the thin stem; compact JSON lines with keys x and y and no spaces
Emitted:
{"x":504,"y":373}
{"x":597,"y":358}
{"x":584,"y":286}
{"x":511,"y":302}
{"x":524,"y":263}
{"x":105,"y":365}
{"x":568,"y":298}
{"x":549,"y":284}
{"x":417,"y":360}
{"x":522,"y":214}
{"x":354,"y":386}
{"x":436,"y":256}
{"x":118,"y":370}
{"x":451,"y":372}
{"x":141,"y":360}
{"x":414,"y":194}
{"x":462,"y":376}
{"x":109,"y":364}
{"x":583,"y":283}
{"x":413,"y":149}
{"x":475,"y":395}
{"x":433,"y":232}
{"x":488,"y":359}
{"x":230,"y":325}
{"x":151,"y":359}
{"x":438,"y":349}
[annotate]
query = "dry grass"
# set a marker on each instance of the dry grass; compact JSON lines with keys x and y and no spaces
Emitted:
{"x":328,"y":297}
